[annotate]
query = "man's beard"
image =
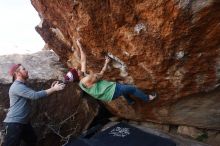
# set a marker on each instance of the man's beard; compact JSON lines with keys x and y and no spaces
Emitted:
{"x":25,"y":77}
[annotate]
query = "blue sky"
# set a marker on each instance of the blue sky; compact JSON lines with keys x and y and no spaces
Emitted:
{"x":17,"y":27}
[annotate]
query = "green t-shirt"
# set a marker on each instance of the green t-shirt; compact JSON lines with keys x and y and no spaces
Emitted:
{"x":101,"y":90}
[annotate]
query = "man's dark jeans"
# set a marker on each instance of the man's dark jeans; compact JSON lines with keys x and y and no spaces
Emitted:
{"x":15,"y":132}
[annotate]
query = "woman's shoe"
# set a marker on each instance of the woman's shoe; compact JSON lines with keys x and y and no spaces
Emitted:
{"x":153,"y":95}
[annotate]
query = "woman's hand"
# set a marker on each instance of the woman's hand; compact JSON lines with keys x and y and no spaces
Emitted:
{"x":78,"y":43}
{"x":107,"y":59}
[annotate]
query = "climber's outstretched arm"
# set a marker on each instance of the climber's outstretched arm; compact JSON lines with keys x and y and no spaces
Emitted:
{"x":92,"y":78}
{"x":101,"y":73}
{"x":82,"y":57}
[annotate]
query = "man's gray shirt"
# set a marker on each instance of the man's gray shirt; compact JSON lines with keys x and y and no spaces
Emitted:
{"x":20,"y":102}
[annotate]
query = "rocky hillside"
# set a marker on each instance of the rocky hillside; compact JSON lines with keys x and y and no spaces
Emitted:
{"x":171,"y":46}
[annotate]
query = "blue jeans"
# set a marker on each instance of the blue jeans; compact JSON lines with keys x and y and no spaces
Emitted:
{"x":15,"y":132}
{"x":125,"y":90}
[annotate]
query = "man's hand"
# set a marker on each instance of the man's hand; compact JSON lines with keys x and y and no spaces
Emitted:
{"x":52,"y":85}
{"x":58,"y":86}
{"x":55,"y":86}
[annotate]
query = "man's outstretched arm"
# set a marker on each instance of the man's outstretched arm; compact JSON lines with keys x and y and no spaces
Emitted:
{"x":27,"y":92}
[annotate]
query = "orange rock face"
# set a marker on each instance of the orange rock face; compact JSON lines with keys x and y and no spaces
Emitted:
{"x":172,"y":47}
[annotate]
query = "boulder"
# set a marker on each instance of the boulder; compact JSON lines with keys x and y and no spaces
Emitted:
{"x":57,"y":117}
{"x":189,"y":131}
{"x":171,"y":47}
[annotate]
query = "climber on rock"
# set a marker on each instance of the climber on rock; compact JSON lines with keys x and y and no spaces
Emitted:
{"x":101,"y":89}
